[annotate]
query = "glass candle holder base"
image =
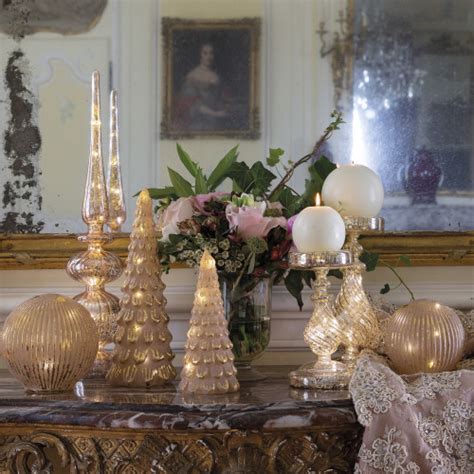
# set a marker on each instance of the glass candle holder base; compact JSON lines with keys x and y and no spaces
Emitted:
{"x":247,"y":373}
{"x":349,"y":358}
{"x":321,"y":375}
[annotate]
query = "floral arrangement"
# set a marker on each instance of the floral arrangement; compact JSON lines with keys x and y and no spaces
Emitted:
{"x":248,"y":229}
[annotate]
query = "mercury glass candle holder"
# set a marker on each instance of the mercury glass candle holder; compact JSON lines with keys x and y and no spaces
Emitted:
{"x":324,"y":331}
{"x":352,"y":305}
{"x":117,"y":211}
{"x":96,"y":266}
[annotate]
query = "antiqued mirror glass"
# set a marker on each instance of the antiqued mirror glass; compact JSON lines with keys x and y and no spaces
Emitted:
{"x":404,"y":72}
{"x":401,"y":71}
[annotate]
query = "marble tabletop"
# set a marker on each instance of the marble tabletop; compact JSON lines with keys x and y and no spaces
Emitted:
{"x":264,"y":405}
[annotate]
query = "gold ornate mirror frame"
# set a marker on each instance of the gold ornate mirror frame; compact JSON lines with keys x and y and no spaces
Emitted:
{"x":52,"y":251}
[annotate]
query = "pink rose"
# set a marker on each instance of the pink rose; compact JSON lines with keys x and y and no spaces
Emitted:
{"x":250,"y":222}
{"x":178,"y":211}
{"x":291,"y":221}
{"x":200,"y":200}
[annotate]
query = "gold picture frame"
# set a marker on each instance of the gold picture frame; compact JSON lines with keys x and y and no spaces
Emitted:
{"x":52,"y":251}
{"x":194,"y":91}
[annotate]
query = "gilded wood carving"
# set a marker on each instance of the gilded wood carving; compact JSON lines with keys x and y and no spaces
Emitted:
{"x":53,"y":449}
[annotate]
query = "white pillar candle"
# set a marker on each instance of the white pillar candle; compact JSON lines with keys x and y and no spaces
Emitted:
{"x":354,"y":190}
{"x":318,"y":228}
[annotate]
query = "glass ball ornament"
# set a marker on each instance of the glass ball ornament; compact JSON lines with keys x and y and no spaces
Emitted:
{"x":424,"y":336}
{"x":49,"y":342}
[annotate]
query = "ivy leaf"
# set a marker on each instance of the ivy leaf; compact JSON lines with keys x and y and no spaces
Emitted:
{"x":262,"y":178}
{"x":405,"y":260}
{"x":182,"y":187}
{"x":370,"y":259}
{"x":221,"y":171}
{"x":312,"y":186}
{"x":294,"y":284}
{"x":200,"y":185}
{"x":288,"y":199}
{"x":189,"y":164}
{"x":324,"y":167}
{"x":318,"y":172}
{"x":385,"y":289}
{"x":240,"y":173}
{"x":308,"y":277}
{"x":274,"y":156}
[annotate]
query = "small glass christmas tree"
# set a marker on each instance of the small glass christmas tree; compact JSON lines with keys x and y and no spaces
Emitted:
{"x":208,"y":361}
{"x":142,"y":355}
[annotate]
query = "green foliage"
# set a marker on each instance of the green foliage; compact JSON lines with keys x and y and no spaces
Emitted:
{"x":290,"y":201}
{"x":405,"y":260}
{"x":160,"y":193}
{"x":318,"y":172}
{"x":262,"y":179}
{"x":220,"y":172}
{"x":241,"y":178}
{"x":201,"y":186}
{"x":182,"y":187}
{"x":189,"y":164}
{"x":370,"y":259}
{"x":274,"y":156}
{"x":255,"y":180}
{"x":294,"y":284}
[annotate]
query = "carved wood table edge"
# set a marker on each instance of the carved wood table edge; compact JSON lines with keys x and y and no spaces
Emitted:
{"x":267,"y":427}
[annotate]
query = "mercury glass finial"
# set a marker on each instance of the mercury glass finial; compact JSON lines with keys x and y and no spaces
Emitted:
{"x":117,"y":212}
{"x":94,"y":207}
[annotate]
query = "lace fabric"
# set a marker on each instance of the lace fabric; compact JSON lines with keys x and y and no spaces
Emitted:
{"x":417,"y":423}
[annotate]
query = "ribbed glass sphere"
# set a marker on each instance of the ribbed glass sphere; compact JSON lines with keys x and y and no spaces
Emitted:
{"x":49,"y":342}
{"x":424,"y":336}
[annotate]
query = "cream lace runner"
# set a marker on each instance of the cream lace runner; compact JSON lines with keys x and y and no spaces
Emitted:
{"x":420,"y":423}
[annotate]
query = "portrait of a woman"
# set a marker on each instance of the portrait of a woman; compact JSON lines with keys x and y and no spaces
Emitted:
{"x":200,"y":104}
{"x":210,"y":78}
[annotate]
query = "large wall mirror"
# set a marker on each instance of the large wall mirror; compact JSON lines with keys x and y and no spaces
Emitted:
{"x":401,"y":72}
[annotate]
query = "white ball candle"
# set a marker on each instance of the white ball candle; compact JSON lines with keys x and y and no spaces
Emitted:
{"x":318,"y":229}
{"x":354,"y":190}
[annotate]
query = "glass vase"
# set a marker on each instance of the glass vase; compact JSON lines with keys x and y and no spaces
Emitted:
{"x":247,"y":306}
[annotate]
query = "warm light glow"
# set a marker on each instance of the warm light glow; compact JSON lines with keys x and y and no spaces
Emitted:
{"x":437,"y":305}
{"x":436,"y":333}
{"x":207,"y":261}
{"x":338,"y":165}
{"x":431,"y":364}
{"x":318,"y":199}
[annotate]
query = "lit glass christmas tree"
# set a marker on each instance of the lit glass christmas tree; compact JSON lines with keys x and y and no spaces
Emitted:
{"x":142,"y":355}
{"x":208,"y":361}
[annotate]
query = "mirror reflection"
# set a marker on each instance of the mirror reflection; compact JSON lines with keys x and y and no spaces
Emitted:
{"x":402,"y":73}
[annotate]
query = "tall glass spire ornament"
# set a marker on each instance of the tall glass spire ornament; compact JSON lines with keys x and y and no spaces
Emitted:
{"x":116,"y":207}
{"x":324,"y":331}
{"x":208,"y":366}
{"x":352,"y":304}
{"x":95,"y":266}
{"x":142,"y":356}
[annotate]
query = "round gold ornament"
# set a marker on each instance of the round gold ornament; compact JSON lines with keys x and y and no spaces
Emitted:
{"x":424,"y":336}
{"x":49,"y":342}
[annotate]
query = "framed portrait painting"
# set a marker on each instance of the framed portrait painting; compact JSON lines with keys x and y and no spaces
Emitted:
{"x":210,"y":78}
